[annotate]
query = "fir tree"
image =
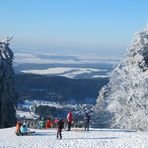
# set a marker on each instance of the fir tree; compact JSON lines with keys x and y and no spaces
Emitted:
{"x":7,"y":91}
{"x":124,"y":100}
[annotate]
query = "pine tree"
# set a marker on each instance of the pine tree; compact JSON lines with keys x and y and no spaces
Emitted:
{"x":124,"y":100}
{"x":7,"y":91}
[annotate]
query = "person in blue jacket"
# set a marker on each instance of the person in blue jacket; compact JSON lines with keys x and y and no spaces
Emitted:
{"x":23,"y":129}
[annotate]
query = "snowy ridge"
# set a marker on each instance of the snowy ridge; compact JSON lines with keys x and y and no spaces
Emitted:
{"x":29,"y":104}
{"x":125,"y":97}
{"x":69,"y":72}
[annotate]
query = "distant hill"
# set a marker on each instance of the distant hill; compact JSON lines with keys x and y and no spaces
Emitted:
{"x":58,"y":89}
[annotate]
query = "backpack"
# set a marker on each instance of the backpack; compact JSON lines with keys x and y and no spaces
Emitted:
{"x":86,"y":118}
{"x":60,"y":124}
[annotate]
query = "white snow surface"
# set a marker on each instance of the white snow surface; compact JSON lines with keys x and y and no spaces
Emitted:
{"x":28,"y":104}
{"x":77,"y":138}
{"x":25,"y":114}
{"x":66,"y":71}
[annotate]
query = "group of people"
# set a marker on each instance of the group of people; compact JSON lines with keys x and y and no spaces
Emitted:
{"x":43,"y":124}
{"x":21,"y":129}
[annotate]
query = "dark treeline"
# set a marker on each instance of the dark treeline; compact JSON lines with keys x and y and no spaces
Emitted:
{"x":57,"y":89}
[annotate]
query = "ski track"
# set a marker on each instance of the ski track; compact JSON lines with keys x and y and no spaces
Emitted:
{"x":95,"y":138}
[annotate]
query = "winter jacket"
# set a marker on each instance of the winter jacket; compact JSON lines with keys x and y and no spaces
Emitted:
{"x":48,"y":124}
{"x":86,"y":118}
{"x":69,"y":117}
{"x":18,"y":125}
{"x":23,"y":129}
{"x":42,"y":123}
{"x":60,"y":124}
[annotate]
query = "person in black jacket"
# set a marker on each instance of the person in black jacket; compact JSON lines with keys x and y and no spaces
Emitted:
{"x":60,"y":126}
{"x":86,"y":121}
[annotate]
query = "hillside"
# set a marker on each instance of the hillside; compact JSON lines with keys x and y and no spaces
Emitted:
{"x":58,"y":89}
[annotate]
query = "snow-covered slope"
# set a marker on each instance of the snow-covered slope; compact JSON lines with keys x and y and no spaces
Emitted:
{"x":124,"y":100}
{"x":21,"y":114}
{"x":65,"y":64}
{"x":77,"y":138}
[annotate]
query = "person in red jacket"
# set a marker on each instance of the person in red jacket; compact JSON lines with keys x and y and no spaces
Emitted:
{"x":69,"y":120}
{"x":48,"y":124}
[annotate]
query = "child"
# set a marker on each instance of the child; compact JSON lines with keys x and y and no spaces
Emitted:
{"x":23,"y":129}
{"x":60,"y":126}
{"x":48,"y":124}
{"x":42,"y":123}
{"x":18,"y":125}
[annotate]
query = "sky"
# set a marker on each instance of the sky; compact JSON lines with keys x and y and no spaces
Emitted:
{"x":106,"y":26}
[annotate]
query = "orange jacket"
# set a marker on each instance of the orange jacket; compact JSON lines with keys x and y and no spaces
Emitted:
{"x":18,"y":125}
{"x":48,"y":124}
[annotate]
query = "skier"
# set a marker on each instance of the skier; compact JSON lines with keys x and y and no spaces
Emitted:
{"x":69,"y":120}
{"x":86,"y":121}
{"x":48,"y":124}
{"x":18,"y":125}
{"x":60,"y":126}
{"x":38,"y":126}
{"x":42,"y":123}
{"x":23,"y":129}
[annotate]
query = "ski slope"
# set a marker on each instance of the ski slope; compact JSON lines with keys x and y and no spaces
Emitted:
{"x":77,"y":138}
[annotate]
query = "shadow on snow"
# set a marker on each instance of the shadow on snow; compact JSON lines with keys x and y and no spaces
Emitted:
{"x":112,"y":130}
{"x":99,"y":138}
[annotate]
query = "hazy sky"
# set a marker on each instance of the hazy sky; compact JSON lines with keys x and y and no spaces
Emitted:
{"x":98,"y":25}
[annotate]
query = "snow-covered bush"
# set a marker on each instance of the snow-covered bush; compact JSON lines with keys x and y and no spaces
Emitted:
{"x":123,"y":102}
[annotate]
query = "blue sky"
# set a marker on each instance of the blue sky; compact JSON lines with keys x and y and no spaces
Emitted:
{"x":87,"y":25}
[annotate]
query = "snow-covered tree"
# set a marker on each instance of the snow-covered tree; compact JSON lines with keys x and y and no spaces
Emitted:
{"x":7,"y":91}
{"x":123,"y":102}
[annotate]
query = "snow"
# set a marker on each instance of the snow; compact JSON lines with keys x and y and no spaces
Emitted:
{"x":25,"y":114}
{"x":27,"y":108}
{"x":66,"y":71}
{"x":101,"y":76}
{"x":57,"y":70}
{"x":123,"y":102}
{"x":77,"y":138}
{"x":28,"y":104}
